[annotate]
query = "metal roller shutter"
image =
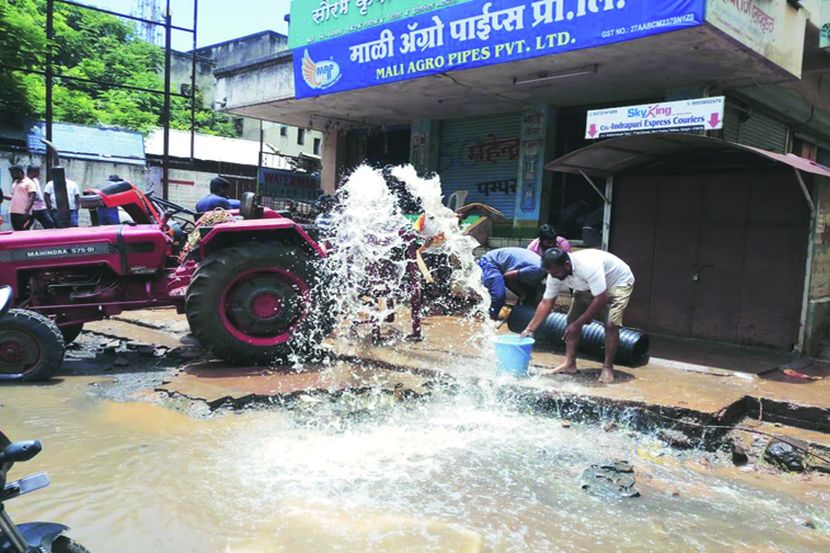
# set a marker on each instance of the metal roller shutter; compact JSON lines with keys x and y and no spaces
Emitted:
{"x":754,"y":128}
{"x":481,"y":156}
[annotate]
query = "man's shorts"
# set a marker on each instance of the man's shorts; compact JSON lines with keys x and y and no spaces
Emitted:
{"x":611,"y":313}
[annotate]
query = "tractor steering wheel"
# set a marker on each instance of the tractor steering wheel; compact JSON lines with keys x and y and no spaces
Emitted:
{"x":187,"y":225}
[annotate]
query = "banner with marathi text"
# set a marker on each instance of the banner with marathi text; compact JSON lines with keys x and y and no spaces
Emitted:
{"x":479,"y":33}
{"x":316,"y":20}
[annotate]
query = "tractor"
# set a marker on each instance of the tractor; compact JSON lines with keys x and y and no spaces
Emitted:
{"x":246,"y":282}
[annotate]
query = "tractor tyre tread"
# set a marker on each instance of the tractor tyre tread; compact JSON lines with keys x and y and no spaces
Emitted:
{"x":47,"y":334}
{"x":207,"y":285}
{"x":65,"y":545}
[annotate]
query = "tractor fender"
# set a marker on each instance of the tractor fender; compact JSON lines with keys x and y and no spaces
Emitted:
{"x":36,"y":534}
{"x":234,"y":233}
{"x":6,"y":298}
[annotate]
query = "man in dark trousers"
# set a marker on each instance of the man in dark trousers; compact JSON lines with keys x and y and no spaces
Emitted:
{"x":24,"y":194}
{"x":39,"y":211}
{"x":518,"y":269}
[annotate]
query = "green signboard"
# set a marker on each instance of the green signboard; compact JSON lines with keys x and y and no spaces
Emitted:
{"x":316,"y":20}
{"x":824,"y":25}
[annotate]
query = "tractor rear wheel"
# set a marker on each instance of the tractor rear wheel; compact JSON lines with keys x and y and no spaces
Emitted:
{"x":253,"y":304}
{"x":31,"y":346}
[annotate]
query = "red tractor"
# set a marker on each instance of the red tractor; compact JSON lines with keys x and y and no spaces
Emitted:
{"x":246,"y":285}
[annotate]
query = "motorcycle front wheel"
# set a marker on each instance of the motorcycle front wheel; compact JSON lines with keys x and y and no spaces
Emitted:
{"x":66,"y":545}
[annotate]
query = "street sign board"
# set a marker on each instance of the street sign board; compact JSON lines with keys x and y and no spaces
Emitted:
{"x":700,"y":114}
{"x":477,"y":33}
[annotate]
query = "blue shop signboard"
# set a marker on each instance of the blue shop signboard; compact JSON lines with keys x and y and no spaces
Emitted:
{"x":480,"y":33}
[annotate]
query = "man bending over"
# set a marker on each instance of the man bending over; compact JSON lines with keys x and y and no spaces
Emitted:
{"x":602,"y":284}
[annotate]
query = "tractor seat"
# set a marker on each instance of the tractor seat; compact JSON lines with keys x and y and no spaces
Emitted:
{"x":90,"y":200}
{"x":91,"y":197}
{"x":115,"y":188}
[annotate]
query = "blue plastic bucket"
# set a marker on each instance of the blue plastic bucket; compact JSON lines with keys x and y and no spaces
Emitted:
{"x":513,"y":354}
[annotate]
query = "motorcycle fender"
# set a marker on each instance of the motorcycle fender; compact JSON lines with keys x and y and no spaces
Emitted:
{"x":36,"y":534}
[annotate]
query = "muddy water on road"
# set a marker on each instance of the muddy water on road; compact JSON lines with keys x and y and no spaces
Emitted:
{"x":451,"y":473}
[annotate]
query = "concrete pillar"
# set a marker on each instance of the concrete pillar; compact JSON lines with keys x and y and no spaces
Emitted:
{"x":533,"y":154}
{"x":333,"y":157}
{"x":423,"y":145}
{"x":816,"y":331}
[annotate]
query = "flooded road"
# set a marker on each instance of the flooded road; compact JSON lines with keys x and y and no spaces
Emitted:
{"x":456,"y":471}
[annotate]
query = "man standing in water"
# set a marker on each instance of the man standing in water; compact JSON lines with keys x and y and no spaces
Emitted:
{"x":602,"y":284}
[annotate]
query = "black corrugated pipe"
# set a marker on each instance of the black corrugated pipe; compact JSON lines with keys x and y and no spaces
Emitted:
{"x":632,"y":352}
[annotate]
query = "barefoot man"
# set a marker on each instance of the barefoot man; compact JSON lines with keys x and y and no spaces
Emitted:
{"x":602,"y":284}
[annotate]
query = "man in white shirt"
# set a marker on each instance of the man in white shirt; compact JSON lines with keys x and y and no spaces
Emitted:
{"x":73,"y":194}
{"x":39,"y":211}
{"x":602,"y":285}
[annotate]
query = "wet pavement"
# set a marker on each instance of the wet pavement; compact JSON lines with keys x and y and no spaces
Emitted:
{"x":714,"y":383}
{"x":401,"y":447}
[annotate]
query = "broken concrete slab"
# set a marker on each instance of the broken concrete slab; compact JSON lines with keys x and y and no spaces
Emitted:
{"x":218,"y":384}
{"x":131,"y":332}
{"x":610,"y":481}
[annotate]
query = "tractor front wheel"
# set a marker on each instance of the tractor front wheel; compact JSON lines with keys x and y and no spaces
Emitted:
{"x":253,"y":304}
{"x":31,"y":346}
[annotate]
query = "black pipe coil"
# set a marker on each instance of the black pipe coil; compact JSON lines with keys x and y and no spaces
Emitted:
{"x":632,"y":351}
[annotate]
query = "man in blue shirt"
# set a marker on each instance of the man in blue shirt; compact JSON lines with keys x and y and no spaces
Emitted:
{"x":515,"y":268}
{"x":218,"y":197}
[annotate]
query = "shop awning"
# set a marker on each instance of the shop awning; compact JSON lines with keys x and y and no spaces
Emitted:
{"x":673,"y":153}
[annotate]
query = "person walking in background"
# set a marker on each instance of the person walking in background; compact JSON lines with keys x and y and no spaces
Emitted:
{"x":602,"y":284}
{"x":24,"y":194}
{"x":547,"y":239}
{"x":39,"y":211}
{"x":73,"y":194}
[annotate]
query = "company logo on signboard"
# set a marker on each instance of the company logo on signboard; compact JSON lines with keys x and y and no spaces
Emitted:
{"x":700,"y":114}
{"x":320,"y":75}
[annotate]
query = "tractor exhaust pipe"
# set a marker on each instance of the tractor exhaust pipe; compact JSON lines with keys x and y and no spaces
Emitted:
{"x":57,"y":175}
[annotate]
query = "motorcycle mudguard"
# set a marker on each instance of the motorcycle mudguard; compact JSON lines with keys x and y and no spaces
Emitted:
{"x":37,"y":534}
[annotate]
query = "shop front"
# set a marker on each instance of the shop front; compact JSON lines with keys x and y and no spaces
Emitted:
{"x":470,"y":79}
{"x":727,"y":242}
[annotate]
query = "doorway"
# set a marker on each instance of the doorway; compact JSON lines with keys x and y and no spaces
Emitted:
{"x":720,"y":257}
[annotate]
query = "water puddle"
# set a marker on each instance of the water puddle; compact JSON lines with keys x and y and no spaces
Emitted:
{"x":459,"y":469}
{"x":454,"y":471}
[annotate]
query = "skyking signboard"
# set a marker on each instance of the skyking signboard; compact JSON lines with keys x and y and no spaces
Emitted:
{"x":701,"y":114}
{"x":479,"y":33}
